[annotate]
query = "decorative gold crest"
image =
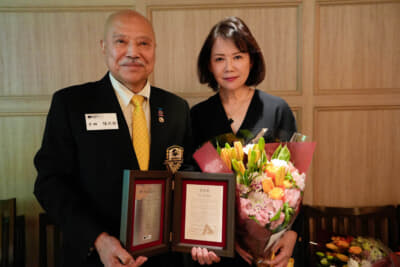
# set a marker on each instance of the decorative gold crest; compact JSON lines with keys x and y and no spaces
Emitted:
{"x":174,"y":158}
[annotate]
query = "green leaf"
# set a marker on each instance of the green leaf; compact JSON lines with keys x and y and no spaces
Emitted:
{"x":251,"y":161}
{"x":284,"y":154}
{"x":287,"y":214}
{"x":254,"y":219}
{"x":276,"y":152}
{"x":246,"y":178}
{"x":218,"y":148}
{"x":235,"y":165}
{"x":261,"y":144}
{"x":276,"y":216}
{"x":264,"y":157}
{"x":290,"y":178}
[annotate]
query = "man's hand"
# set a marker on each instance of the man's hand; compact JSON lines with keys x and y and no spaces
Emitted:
{"x":285,"y":247}
{"x":112,"y":254}
{"x":203,"y":256}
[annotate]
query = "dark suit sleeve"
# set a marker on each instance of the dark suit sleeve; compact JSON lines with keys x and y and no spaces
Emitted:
{"x":189,"y":164}
{"x":195,"y":127}
{"x":57,"y":185}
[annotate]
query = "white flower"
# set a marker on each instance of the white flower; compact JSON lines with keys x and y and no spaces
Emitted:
{"x":279,"y":163}
{"x":243,"y":190}
{"x":352,"y":263}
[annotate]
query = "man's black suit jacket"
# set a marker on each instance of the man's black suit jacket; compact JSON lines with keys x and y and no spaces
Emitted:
{"x":79,"y":181}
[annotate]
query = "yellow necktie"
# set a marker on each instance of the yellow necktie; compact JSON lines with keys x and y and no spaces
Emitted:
{"x":140,"y":134}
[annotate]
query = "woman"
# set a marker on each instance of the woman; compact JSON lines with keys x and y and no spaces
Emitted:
{"x":231,"y":62}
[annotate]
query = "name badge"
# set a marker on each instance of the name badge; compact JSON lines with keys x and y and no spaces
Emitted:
{"x":101,"y":121}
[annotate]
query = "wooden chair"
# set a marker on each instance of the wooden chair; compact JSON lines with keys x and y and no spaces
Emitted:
{"x":50,"y":254}
{"x":19,"y":239}
{"x":377,"y":222}
{"x":12,"y":235}
{"x":7,"y":230}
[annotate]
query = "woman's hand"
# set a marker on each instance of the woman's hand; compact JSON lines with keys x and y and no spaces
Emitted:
{"x":244,"y":254}
{"x":285,"y":247}
{"x":203,"y":256}
{"x":112,"y":254}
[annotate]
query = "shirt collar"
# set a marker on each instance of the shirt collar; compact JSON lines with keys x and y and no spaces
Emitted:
{"x":125,"y":94}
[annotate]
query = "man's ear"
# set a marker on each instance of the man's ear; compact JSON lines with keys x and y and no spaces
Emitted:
{"x":102,"y":45}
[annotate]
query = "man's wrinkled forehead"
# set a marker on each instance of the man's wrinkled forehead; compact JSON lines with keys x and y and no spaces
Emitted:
{"x":128,"y":20}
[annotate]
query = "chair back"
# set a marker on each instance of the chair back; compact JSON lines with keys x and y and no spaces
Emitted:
{"x":7,"y":232}
{"x":377,"y":222}
{"x":50,"y":254}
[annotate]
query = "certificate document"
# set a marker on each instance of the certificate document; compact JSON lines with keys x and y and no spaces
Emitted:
{"x":204,"y":212}
{"x":146,"y":227}
{"x":162,"y":211}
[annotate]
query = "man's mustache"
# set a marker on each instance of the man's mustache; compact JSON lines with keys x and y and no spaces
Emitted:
{"x":129,"y":61}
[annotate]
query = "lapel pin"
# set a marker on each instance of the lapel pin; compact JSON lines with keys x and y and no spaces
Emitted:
{"x":161,"y":118}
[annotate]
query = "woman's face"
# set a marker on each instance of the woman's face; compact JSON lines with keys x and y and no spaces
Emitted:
{"x":229,"y":66}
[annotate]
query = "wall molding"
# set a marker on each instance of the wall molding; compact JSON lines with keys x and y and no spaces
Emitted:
{"x":352,"y":107}
{"x":353,"y":2}
{"x":50,"y":8}
{"x":156,"y":7}
{"x":367,"y":91}
{"x":23,"y":114}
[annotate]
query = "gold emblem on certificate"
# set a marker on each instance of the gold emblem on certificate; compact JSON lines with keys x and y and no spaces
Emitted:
{"x":174,"y":158}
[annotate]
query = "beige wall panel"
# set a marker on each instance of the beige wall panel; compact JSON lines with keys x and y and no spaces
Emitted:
{"x":45,"y":51}
{"x":358,"y":48}
{"x":357,"y":155}
{"x":180,"y":33}
{"x":20,"y":138}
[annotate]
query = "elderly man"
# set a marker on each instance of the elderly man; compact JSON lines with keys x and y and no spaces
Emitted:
{"x":96,"y":130}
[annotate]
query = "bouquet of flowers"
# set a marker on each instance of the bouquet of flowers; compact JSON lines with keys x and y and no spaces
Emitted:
{"x":269,"y":187}
{"x":355,"y":252}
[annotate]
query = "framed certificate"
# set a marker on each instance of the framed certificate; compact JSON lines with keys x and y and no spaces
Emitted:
{"x":146,"y":212}
{"x":204,"y":212}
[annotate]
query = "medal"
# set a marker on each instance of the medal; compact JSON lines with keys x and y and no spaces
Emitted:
{"x":160,"y":114}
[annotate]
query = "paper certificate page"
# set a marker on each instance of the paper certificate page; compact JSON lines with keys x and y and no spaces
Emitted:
{"x":147,"y":213}
{"x":204,"y":212}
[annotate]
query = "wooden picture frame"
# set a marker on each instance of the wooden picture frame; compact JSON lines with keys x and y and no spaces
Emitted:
{"x":227,"y":184}
{"x":131,"y":182}
{"x":151,"y":233}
